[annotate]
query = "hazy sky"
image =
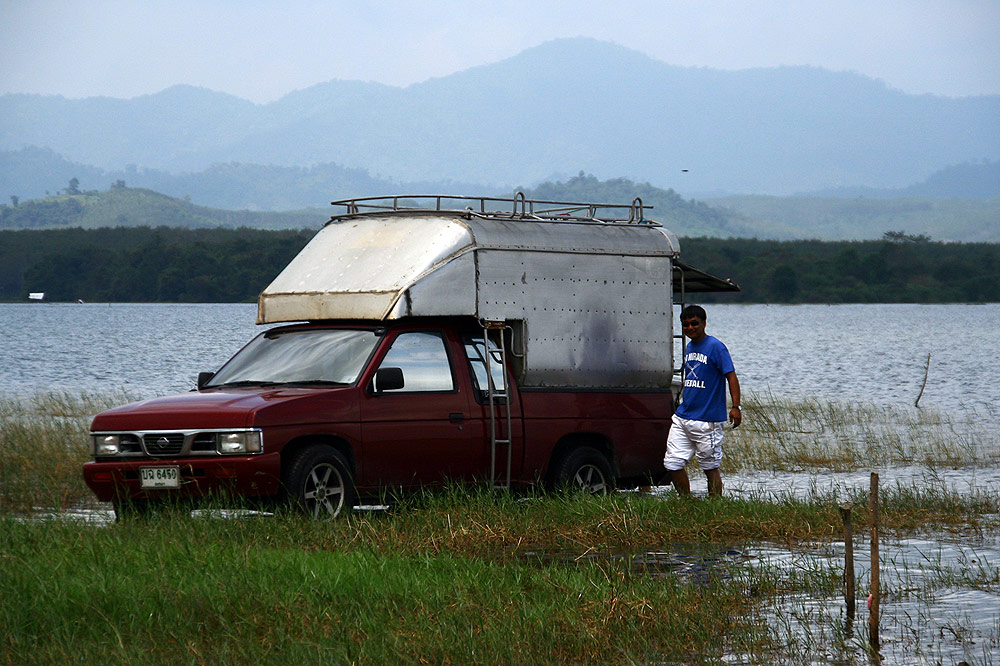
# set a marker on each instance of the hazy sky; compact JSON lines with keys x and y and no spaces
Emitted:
{"x":262,"y":49}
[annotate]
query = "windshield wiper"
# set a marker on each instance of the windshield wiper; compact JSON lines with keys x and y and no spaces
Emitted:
{"x":297,"y":382}
{"x":315,"y":382}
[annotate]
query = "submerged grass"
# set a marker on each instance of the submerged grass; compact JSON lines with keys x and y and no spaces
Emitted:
{"x":810,"y":434}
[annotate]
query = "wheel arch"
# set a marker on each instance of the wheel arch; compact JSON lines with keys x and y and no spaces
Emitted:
{"x":575,"y":440}
{"x":290,"y":450}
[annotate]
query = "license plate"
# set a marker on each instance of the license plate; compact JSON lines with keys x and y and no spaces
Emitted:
{"x":160,"y":477}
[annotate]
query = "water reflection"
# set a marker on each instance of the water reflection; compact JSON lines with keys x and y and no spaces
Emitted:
{"x":940,"y":601}
{"x":768,"y":484}
{"x":690,"y":561}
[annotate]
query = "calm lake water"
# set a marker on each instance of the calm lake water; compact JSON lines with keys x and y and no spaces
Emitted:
{"x":868,"y":353}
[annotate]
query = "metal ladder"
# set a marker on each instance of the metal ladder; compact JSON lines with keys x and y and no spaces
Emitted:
{"x":498,"y":400}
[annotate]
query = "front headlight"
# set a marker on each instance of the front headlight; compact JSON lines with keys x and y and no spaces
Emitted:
{"x":105,"y":445}
{"x":232,"y":443}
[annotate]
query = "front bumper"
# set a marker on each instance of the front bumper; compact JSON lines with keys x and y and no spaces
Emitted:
{"x":235,"y":476}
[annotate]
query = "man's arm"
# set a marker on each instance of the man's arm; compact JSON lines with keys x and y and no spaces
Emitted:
{"x":735,"y":415}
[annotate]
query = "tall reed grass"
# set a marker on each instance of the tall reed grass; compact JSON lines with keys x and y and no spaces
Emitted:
{"x":810,"y":434}
{"x":43,"y":444}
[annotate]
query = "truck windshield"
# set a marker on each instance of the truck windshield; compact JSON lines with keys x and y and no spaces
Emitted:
{"x":324,"y":356}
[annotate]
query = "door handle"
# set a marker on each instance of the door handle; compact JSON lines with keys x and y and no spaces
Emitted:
{"x":456,"y":417}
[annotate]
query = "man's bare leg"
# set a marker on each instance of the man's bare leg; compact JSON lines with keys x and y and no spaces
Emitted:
{"x":680,"y":480}
{"x":714,"y":481}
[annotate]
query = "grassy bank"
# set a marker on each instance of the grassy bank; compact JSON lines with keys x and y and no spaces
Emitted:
{"x":463,"y":577}
{"x":468,"y":576}
{"x":192,"y":590}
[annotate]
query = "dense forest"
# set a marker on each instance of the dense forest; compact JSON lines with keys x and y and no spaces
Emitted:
{"x":142,"y":264}
{"x":900,"y":268}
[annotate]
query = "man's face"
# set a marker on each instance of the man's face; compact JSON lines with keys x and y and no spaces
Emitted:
{"x":694,"y":328}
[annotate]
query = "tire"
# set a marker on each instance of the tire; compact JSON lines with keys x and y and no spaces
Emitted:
{"x":320,"y":483}
{"x":584,"y":469}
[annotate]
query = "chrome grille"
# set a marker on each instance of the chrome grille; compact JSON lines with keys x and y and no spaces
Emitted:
{"x":163,"y":444}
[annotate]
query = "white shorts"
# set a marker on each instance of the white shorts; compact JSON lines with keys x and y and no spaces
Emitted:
{"x":688,"y":438}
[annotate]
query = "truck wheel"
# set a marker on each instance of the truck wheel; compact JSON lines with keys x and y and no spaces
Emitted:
{"x":319,"y":480}
{"x":585,"y":469}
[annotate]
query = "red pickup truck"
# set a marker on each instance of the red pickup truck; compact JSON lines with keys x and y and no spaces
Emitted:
{"x":427,"y":344}
{"x":325,"y":412}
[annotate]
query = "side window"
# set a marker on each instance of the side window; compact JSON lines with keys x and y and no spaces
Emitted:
{"x":476,"y":354}
{"x":423,"y":360}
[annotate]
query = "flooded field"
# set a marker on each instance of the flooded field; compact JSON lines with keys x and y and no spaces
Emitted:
{"x":940,"y":603}
{"x":775,"y":535}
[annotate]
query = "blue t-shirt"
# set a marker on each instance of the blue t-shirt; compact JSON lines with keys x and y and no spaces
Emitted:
{"x":706,"y":365}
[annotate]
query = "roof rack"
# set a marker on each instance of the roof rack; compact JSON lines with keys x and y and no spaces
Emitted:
{"x":517,"y":208}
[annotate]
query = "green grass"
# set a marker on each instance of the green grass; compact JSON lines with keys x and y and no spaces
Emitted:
{"x":260,"y":590}
{"x":455,"y":577}
{"x":472,"y":576}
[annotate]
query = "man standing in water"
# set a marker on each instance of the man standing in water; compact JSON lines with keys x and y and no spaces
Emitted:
{"x":696,"y":427}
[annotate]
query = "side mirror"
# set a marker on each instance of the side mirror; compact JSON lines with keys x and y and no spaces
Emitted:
{"x":203,"y":378}
{"x":388,"y":379}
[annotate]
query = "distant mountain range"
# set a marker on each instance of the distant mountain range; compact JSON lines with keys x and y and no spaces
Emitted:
{"x":745,"y":216}
{"x":33,"y":173}
{"x":970,"y":180}
{"x":563,"y":106}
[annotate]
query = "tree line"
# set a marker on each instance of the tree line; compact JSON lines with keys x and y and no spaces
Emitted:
{"x":899,"y":268}
{"x":164,"y":264}
{"x":143,"y":264}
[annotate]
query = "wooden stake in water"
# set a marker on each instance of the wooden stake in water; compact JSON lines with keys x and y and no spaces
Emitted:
{"x":873,"y":638}
{"x":845,"y":515}
{"x":927,"y":367}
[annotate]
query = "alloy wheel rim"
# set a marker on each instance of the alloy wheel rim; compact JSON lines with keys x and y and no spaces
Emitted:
{"x":591,"y":479}
{"x":324,"y":491}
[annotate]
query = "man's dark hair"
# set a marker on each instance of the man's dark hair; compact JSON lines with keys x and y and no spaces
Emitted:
{"x":694,"y":311}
